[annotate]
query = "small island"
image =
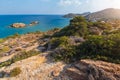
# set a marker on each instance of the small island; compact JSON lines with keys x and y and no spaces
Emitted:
{"x":34,"y":23}
{"x":22,"y":25}
{"x":18,"y":25}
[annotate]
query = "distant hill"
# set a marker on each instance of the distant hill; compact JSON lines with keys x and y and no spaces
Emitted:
{"x":72,"y":15}
{"x":106,"y":14}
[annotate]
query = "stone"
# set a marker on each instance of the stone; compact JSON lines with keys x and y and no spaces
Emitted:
{"x":55,"y":73}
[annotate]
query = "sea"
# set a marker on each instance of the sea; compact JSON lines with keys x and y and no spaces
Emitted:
{"x":46,"y":22}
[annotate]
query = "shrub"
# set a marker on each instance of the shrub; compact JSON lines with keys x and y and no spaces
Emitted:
{"x":1,"y":40}
{"x":104,"y":48}
{"x":13,"y":36}
{"x":78,"y":27}
{"x":14,"y":72}
{"x":96,"y":45}
{"x":101,"y":47}
{"x":4,"y":49}
{"x":24,"y":55}
{"x":75,"y":21}
{"x":66,"y":54}
{"x":102,"y":26}
{"x":57,"y":42}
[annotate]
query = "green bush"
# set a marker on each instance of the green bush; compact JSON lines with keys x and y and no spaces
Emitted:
{"x":1,"y":40}
{"x":75,"y":21}
{"x":66,"y":54}
{"x":24,"y":55}
{"x":14,"y":72}
{"x":102,"y":26}
{"x":4,"y":49}
{"x":59,"y":42}
{"x":78,"y":27}
{"x":105,"y":48}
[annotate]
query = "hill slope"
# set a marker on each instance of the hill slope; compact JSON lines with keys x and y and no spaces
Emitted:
{"x":105,"y":14}
{"x":72,"y":15}
{"x":43,"y":55}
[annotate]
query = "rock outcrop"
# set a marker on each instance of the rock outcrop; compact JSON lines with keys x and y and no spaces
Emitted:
{"x":18,"y":25}
{"x":90,"y":70}
{"x":42,"y":67}
{"x":33,"y":23}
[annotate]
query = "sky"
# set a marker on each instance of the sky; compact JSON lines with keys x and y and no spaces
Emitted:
{"x":55,"y":6}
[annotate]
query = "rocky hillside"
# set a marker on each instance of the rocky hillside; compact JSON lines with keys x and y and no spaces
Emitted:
{"x":76,"y":52}
{"x":105,"y":14}
{"x":42,"y":67}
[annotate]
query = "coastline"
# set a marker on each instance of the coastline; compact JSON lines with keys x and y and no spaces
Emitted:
{"x":47,"y":22}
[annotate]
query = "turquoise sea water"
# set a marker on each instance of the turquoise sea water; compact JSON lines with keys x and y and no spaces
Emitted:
{"x":47,"y":22}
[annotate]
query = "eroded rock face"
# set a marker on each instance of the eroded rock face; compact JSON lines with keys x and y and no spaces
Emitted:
{"x":42,"y":67}
{"x":18,"y":25}
{"x":90,"y":70}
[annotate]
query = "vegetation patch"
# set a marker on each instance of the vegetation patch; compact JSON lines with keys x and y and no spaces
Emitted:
{"x":19,"y":57}
{"x":1,"y":40}
{"x":102,"y":46}
{"x":77,"y":27}
{"x":14,"y":72}
{"x":57,"y":42}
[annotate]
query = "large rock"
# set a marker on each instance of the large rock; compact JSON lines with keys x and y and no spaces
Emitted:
{"x":18,"y":25}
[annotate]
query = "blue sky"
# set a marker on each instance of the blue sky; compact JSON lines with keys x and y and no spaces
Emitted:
{"x":55,"y":6}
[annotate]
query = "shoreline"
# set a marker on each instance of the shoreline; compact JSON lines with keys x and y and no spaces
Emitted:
{"x":29,"y":33}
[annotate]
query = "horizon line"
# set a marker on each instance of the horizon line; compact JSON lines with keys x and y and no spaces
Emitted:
{"x":32,"y":14}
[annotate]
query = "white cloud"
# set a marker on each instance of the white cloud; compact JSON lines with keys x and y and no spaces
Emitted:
{"x":79,"y":6}
{"x":70,"y":3}
{"x":95,"y":5}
